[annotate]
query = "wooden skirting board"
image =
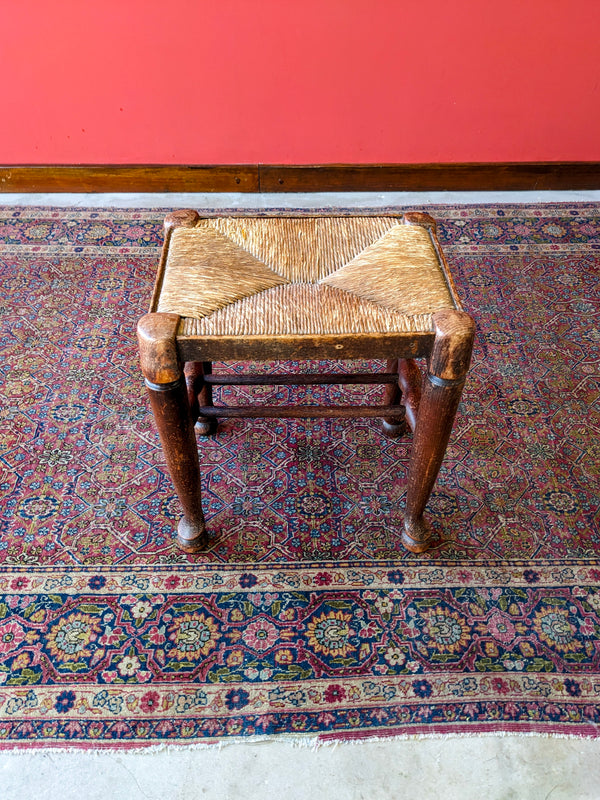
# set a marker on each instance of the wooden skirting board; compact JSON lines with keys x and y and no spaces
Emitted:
{"x":501,"y":176}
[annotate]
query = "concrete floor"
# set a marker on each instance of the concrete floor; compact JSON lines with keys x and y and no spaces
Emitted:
{"x":293,"y":200}
{"x":495,"y":767}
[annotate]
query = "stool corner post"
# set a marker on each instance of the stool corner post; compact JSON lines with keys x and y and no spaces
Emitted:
{"x":420,"y":218}
{"x":182,"y":218}
{"x":157,"y":339}
{"x":454,"y":336}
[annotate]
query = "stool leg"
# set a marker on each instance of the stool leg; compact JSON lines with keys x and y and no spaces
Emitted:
{"x":204,"y":397}
{"x":442,"y":389}
{"x":393,"y":426}
{"x":170,"y":405}
{"x":199,"y":394}
{"x":194,"y":378}
{"x":410,"y":380}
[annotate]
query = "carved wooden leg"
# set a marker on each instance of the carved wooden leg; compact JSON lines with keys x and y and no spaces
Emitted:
{"x":205,"y":426}
{"x":442,"y":388}
{"x":394,"y":425}
{"x":409,"y":380}
{"x":199,"y":394}
{"x":194,"y":379}
{"x":170,"y":406}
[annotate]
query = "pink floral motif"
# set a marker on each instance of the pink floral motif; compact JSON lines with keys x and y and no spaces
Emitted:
{"x":334,"y":693}
{"x":265,"y":600}
{"x":261,"y":635}
{"x":11,"y":636}
{"x":587,"y":626}
{"x":150,"y":702}
{"x":499,"y":685}
{"x":369,"y":630}
{"x":501,"y":627}
{"x":19,"y":583}
{"x":156,"y":636}
{"x":111,"y":637}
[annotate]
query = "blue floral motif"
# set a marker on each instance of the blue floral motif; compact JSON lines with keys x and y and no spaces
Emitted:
{"x":395,"y":576}
{"x":65,"y":701}
{"x":236,"y":698}
{"x":422,"y":688}
{"x":572,"y":687}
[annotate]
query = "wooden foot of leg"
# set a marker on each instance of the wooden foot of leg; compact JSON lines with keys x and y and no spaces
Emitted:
{"x":191,"y":538}
{"x":417,"y":537}
{"x":393,"y":430}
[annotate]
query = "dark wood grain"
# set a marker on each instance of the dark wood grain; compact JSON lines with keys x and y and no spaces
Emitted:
{"x":129,"y":178}
{"x":169,"y":390}
{"x":290,"y":348}
{"x":442,"y":388}
{"x":493,"y":176}
{"x":194,"y":379}
{"x":523,"y":176}
{"x":293,"y":412}
{"x":156,"y":334}
{"x":204,"y":425}
{"x":394,"y":425}
{"x":409,"y":381}
{"x":171,"y":411}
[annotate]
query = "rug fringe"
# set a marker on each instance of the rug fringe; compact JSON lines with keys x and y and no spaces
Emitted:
{"x":306,"y":743}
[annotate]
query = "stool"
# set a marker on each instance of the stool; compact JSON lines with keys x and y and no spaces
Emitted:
{"x":291,"y":287}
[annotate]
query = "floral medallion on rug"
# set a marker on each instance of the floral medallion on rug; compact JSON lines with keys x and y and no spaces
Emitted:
{"x":305,"y":617}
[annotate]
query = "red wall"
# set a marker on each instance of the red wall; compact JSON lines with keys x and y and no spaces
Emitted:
{"x":299,"y":81}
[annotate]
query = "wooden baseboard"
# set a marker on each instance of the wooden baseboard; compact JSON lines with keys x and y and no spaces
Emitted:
{"x":431,"y":177}
{"x":517,"y":176}
{"x":128,"y":178}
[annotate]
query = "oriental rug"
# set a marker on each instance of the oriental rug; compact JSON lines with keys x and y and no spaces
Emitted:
{"x":305,"y":617}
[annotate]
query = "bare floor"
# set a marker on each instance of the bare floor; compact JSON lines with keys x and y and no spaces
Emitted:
{"x":494,"y":767}
{"x":293,"y":200}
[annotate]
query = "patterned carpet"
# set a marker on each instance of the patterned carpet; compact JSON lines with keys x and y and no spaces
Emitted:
{"x":305,"y":616}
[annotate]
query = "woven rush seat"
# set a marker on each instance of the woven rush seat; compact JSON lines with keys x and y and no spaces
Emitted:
{"x":297,"y":276}
{"x":296,"y":287}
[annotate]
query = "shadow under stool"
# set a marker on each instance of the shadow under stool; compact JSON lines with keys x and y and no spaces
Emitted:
{"x":293,"y":287}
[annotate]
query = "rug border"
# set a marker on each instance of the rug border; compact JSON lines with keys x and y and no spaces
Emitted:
{"x":484,"y":730}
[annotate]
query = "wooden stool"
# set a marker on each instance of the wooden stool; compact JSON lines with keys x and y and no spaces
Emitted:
{"x":285,"y":287}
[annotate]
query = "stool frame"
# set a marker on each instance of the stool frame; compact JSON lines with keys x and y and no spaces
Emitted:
{"x":179,"y":379}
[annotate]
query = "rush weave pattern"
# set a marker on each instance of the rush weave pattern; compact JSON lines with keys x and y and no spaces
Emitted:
{"x":271,"y":276}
